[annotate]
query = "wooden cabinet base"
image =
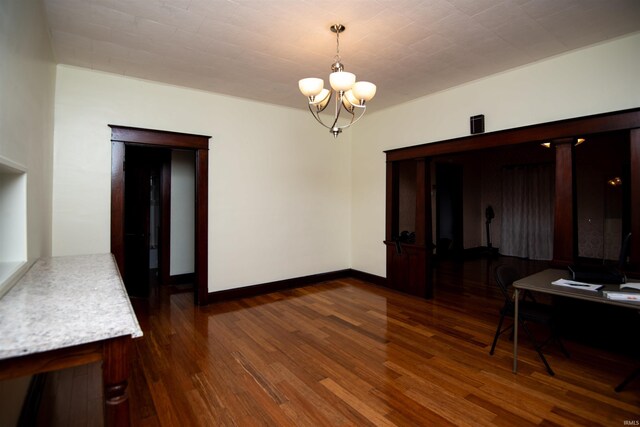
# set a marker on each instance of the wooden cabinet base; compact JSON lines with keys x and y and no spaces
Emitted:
{"x":116,"y":362}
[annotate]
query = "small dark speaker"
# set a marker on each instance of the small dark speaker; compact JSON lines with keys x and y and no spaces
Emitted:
{"x":477,"y":123}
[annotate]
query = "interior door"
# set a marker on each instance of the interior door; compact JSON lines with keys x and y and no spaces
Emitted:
{"x":137,"y":175}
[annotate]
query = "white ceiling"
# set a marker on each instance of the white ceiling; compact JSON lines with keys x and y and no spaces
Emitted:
{"x":259,"y":49}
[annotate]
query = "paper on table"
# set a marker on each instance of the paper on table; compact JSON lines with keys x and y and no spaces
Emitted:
{"x":623,"y":296}
{"x":576,"y":285}
{"x":631,"y":285}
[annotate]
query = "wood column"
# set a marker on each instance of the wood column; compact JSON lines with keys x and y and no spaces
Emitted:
{"x":201,"y":294}
{"x":117,"y":203}
{"x":423,"y":223}
{"x":563,"y":235}
{"x":115,"y":375}
{"x":634,"y":148}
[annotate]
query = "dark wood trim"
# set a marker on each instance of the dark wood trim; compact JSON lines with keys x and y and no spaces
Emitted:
{"x":422,"y":181}
{"x":634,"y":252}
{"x":368,"y":277}
{"x":391,"y":201}
{"x":159,"y":138}
{"x":53,"y":360}
{"x":279,"y":285}
{"x":117,"y":203}
{"x":202,"y":227}
{"x":122,"y":135}
{"x":164,"y":266}
{"x":619,"y":120}
{"x":563,"y":233}
{"x":179,"y":279}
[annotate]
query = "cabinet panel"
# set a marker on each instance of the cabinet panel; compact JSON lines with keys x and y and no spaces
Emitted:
{"x":407,"y":270}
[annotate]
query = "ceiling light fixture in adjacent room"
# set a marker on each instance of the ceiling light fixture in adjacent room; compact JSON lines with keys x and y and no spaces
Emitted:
{"x":348,"y":94}
{"x":576,"y":142}
{"x":615,"y":181}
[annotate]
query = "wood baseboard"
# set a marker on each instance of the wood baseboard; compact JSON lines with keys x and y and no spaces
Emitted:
{"x":368,"y":277}
{"x":265,"y":288}
{"x":180,"y":279}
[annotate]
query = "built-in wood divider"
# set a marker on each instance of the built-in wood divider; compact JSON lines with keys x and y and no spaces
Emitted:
{"x":411,"y":271}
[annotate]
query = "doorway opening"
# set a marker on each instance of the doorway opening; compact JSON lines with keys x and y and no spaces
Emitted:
{"x":449,"y":198}
{"x":141,"y":164}
{"x":146,"y":243}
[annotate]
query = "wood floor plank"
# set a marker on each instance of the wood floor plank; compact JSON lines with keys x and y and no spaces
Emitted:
{"x":373,"y":415}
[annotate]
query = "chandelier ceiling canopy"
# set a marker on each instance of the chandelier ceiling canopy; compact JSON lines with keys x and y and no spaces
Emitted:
{"x":349,"y":96}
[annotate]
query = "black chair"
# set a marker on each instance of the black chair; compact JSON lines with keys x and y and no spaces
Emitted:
{"x":529,"y":311}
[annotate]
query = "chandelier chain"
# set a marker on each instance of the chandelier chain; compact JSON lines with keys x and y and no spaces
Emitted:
{"x":338,"y":45}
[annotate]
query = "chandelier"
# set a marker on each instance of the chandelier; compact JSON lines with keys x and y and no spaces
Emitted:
{"x":349,"y":96}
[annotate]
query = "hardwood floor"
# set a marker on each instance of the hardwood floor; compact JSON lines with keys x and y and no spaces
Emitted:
{"x":346,"y":352}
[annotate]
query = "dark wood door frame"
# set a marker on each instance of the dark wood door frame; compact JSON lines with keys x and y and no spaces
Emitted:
{"x":121,"y":135}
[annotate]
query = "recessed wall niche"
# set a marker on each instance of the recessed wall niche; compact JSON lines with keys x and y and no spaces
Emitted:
{"x":13,"y":222}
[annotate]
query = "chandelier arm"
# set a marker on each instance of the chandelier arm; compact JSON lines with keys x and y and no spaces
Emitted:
{"x":354,"y":120}
{"x":316,"y":116}
{"x":338,"y":108}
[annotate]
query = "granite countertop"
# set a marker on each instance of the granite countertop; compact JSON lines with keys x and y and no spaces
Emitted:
{"x":65,"y":301}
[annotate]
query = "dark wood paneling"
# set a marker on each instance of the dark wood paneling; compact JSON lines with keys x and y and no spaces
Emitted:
{"x":563,"y":235}
{"x":619,"y":120}
{"x":159,"y":137}
{"x":31,"y":405}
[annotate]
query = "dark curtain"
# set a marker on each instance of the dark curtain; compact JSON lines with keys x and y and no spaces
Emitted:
{"x":527,"y":217}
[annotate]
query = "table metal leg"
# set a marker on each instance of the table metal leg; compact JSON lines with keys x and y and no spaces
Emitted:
{"x":515,"y":332}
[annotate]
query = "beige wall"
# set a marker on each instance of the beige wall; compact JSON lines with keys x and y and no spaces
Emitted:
{"x":279,"y":184}
{"x":27,"y":82}
{"x":183,"y":203}
{"x":597,"y":79}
